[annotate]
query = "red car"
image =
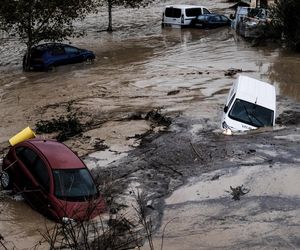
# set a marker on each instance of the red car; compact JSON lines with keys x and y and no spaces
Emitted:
{"x":52,"y":179}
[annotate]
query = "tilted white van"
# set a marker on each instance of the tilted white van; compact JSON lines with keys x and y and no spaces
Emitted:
{"x":250,"y":104}
{"x":181,"y":15}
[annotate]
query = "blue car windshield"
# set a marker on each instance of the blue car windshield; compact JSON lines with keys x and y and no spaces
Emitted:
{"x":251,"y":114}
{"x":74,"y":184}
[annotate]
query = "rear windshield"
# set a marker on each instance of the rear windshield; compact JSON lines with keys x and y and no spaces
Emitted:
{"x":173,"y":12}
{"x":37,"y":53}
{"x":251,"y":114}
{"x":193,"y":12}
{"x":74,"y":184}
{"x":202,"y":18}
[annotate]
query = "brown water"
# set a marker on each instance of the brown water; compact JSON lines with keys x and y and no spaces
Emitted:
{"x":136,"y":66}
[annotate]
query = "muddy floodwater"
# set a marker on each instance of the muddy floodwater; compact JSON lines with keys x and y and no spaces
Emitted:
{"x":187,"y":168}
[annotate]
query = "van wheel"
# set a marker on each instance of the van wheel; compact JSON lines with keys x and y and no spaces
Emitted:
{"x":6,"y":180}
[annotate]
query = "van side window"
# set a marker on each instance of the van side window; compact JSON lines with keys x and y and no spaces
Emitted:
{"x":173,"y":12}
{"x":231,"y":100}
{"x":205,"y":11}
{"x":193,"y":12}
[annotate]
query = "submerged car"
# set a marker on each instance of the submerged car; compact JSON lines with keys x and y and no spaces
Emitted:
{"x":210,"y":21}
{"x":251,"y":104}
{"x":181,"y":15}
{"x":52,"y":179}
{"x":48,"y":55}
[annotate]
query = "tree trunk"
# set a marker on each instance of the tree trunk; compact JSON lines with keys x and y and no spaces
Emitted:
{"x":109,"y":16}
{"x":27,"y":58}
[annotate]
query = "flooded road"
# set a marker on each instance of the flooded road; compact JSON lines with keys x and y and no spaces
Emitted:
{"x":136,"y":68}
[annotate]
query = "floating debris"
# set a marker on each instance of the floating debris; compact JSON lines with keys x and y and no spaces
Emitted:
{"x":173,"y":92}
{"x":67,"y":126}
{"x":238,"y":191}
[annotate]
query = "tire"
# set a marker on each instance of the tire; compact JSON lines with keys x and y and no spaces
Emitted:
{"x":49,"y":67}
{"x":89,"y":60}
{"x":6,"y":180}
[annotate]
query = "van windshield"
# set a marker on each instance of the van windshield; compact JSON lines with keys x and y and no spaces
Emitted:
{"x":251,"y":114}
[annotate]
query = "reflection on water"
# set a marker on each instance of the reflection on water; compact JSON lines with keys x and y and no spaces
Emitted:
{"x":285,"y":71}
{"x":20,"y":226}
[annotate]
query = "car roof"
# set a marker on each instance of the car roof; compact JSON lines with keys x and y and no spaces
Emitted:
{"x":255,"y":91}
{"x":58,"y":154}
{"x":184,"y":6}
{"x":50,"y":45}
{"x":211,"y":14}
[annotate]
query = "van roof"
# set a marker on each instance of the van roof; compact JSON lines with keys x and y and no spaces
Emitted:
{"x":256,"y":91}
{"x":184,"y":6}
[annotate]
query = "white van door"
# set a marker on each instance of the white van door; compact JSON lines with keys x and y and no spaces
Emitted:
{"x":172,"y":16}
{"x":192,"y":13}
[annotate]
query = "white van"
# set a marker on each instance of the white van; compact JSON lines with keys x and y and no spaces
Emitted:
{"x":181,"y":15}
{"x":250,"y":104}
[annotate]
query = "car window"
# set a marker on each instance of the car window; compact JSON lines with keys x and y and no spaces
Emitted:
{"x":201,"y":18}
{"x":71,"y":50}
{"x":173,"y":12}
{"x":27,"y":156}
{"x":215,"y":19}
{"x":40,"y":172}
{"x":224,"y":18}
{"x":57,"y":50}
{"x":251,"y":113}
{"x":231,"y":100}
{"x":37,"y":53}
{"x":74,"y":184}
{"x":35,"y":165}
{"x":193,"y":12}
{"x":205,"y":11}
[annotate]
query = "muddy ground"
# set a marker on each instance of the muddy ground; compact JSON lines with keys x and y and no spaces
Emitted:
{"x":186,"y":168}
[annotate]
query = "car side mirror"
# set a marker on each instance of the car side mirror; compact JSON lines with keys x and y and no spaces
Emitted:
{"x":231,"y":16}
{"x":225,"y":109}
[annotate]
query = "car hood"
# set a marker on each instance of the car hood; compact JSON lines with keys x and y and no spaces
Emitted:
{"x":79,"y":210}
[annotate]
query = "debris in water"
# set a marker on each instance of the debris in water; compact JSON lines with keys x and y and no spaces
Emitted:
{"x":288,"y":117}
{"x":238,"y":191}
{"x":173,"y":92}
{"x":232,"y":72}
{"x":99,"y":145}
{"x":67,"y":127}
{"x":215,"y":177}
{"x":155,"y":116}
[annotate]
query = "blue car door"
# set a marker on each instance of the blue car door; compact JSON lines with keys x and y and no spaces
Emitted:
{"x":216,"y":21}
{"x":59,"y":56}
{"x":74,"y":55}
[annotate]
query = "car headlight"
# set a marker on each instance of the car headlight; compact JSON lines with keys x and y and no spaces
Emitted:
{"x":226,"y":129}
{"x":225,"y":126}
{"x":67,"y":220}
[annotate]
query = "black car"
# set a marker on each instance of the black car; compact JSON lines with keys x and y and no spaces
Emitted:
{"x":45,"y":56}
{"x":210,"y":21}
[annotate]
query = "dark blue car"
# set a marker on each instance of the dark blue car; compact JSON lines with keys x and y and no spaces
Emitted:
{"x":210,"y":21}
{"x":48,"y":55}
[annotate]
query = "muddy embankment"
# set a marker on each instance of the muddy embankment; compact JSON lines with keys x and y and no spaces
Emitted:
{"x":141,"y":67}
